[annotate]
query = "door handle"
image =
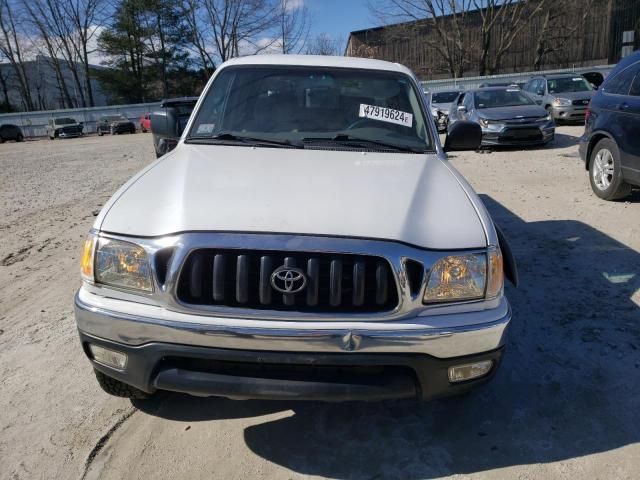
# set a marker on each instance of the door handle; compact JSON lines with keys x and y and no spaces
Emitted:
{"x":623,"y":106}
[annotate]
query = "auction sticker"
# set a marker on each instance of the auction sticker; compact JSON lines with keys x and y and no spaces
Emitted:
{"x":386,"y":115}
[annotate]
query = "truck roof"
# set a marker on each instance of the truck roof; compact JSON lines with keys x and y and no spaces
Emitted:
{"x":318,"y":61}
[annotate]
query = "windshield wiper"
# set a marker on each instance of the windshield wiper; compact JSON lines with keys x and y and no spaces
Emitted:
{"x":226,"y":136}
{"x":348,"y":138}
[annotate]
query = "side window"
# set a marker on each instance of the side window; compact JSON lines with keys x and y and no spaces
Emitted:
{"x":620,"y":84}
{"x":635,"y":87}
{"x":468,"y":102}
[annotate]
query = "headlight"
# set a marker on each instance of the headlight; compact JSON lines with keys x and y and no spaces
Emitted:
{"x":561,"y":102}
{"x":457,"y":278}
{"x":116,"y":263}
{"x":492,"y":125}
{"x":546,"y":118}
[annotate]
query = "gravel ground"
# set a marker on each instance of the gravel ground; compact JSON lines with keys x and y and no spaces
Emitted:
{"x":565,"y":403}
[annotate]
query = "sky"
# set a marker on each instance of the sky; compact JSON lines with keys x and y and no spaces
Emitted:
{"x":338,"y":17}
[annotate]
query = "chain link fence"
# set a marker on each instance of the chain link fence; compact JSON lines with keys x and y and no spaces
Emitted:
{"x":34,"y":124}
{"x":469,"y":83}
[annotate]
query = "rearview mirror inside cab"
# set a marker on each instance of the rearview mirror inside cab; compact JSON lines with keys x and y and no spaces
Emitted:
{"x":463,"y":135}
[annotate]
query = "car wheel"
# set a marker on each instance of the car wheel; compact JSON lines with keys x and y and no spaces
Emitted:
{"x":19,"y":138}
{"x":117,"y":388}
{"x":605,"y":174}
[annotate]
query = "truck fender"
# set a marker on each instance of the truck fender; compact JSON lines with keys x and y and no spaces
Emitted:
{"x":509,"y":261}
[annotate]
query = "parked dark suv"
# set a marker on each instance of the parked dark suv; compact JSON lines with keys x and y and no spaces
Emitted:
{"x":610,"y":146}
{"x":10,"y":132}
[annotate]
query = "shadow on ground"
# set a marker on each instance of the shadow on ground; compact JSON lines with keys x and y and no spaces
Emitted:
{"x":567,"y":388}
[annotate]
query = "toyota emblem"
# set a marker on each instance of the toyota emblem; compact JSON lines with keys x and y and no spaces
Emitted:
{"x":288,"y":279}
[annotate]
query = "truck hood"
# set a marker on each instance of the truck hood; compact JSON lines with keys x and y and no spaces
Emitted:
{"x":415,"y":199}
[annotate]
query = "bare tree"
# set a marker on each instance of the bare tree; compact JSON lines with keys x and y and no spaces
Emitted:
{"x":501,"y":22}
{"x":11,"y":48}
{"x":40,"y":18}
{"x":446,"y":18}
{"x":555,"y":30}
{"x":197,"y":35}
{"x":292,"y":26}
{"x":323,"y":44}
{"x":84,"y":17}
{"x":238,"y":27}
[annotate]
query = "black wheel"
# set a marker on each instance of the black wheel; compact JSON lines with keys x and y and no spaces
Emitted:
{"x":605,"y":174}
{"x":117,"y":388}
{"x":19,"y":138}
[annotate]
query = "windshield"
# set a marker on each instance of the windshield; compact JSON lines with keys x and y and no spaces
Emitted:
{"x":568,"y":84}
{"x":115,"y":118}
{"x":64,"y":121}
{"x":510,"y":97}
{"x":444,"y":97}
{"x":296,"y":105}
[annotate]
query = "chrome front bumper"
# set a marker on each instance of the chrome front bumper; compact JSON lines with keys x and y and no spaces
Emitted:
{"x":440,"y":336}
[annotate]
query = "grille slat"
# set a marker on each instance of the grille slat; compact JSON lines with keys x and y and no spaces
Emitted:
{"x":218,"y":277}
{"x":266,"y":267}
{"x":335,"y":283}
{"x":358,"y":283}
{"x":313,"y":274}
{"x":195,"y":285}
{"x":240,"y":278}
{"x":381,"y":284}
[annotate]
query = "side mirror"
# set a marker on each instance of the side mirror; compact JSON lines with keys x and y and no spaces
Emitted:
{"x":540,"y":92}
{"x":463,"y":135}
{"x":539,"y":102}
{"x":462,"y":108}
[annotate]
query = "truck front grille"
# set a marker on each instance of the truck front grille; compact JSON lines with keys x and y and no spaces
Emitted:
{"x":304,"y":282}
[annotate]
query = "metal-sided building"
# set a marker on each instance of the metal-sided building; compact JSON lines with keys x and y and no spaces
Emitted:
{"x":560,"y":34}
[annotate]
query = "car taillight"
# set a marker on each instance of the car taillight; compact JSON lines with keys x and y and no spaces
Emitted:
{"x":587,"y":114}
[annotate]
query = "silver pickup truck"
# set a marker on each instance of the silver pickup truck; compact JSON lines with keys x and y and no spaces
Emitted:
{"x":306,"y":239}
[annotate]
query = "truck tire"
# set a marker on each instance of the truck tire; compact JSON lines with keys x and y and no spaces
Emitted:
{"x":117,"y":388}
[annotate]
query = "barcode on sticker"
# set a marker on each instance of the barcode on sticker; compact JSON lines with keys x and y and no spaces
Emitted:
{"x":386,"y":115}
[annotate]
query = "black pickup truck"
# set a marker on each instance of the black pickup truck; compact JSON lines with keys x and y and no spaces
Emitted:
{"x":168,"y":123}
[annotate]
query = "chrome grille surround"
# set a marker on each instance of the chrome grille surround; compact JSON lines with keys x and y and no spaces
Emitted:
{"x":183,"y":244}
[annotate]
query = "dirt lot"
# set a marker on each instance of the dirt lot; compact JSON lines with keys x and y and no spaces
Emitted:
{"x":566,"y":403}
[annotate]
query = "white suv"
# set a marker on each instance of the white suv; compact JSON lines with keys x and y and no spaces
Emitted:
{"x":306,"y":239}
